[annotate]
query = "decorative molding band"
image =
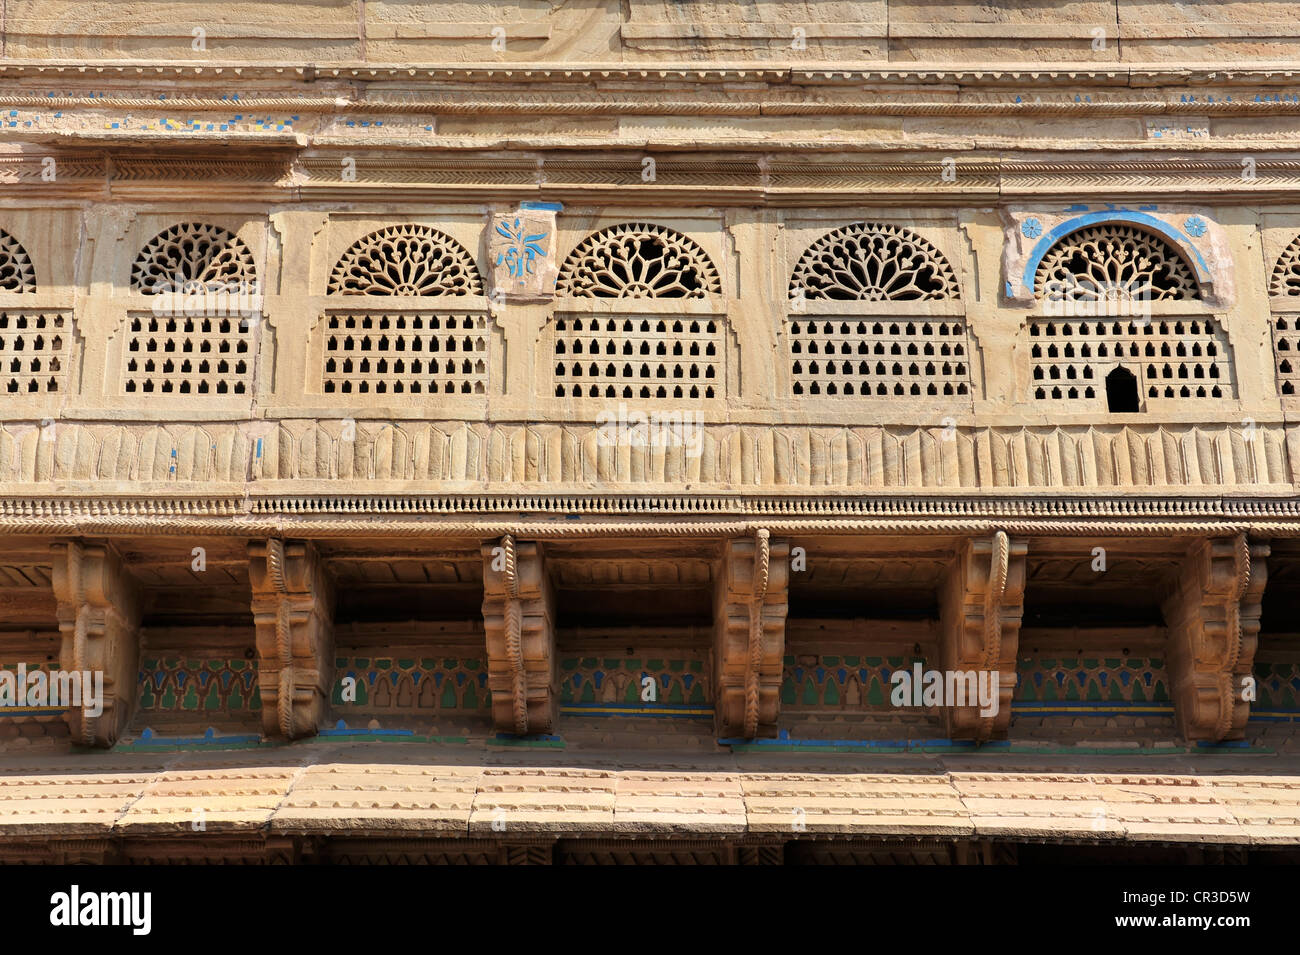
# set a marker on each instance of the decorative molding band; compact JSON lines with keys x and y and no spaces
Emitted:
{"x":754,"y":172}
{"x":480,"y":517}
{"x":1012,"y":76}
{"x":741,"y":458}
{"x":676,"y":105}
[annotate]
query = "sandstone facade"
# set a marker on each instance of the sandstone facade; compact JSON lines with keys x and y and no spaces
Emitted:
{"x":549,"y":367}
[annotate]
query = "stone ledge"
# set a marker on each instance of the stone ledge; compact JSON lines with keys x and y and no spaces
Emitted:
{"x":340,"y":788}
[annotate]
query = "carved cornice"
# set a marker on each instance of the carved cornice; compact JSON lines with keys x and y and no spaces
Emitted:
{"x":484,"y":516}
{"x":723,"y":91}
{"x":764,"y":173}
{"x":1010,"y":75}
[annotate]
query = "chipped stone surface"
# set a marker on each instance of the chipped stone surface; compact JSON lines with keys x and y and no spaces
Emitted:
{"x":431,"y":791}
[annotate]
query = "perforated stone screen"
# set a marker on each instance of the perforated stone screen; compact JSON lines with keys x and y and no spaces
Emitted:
{"x":1171,"y":358}
{"x":1286,"y":352}
{"x":638,"y":357}
{"x":189,"y":356}
{"x":879,"y":357}
{"x":408,"y":354}
{"x":34,"y":351}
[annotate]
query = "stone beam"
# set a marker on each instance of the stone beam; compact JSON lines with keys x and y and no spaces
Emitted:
{"x":1213,"y":617}
{"x":519,"y":618}
{"x":981,"y":605}
{"x":749,"y":610}
{"x":98,"y":609}
{"x":293,"y":613}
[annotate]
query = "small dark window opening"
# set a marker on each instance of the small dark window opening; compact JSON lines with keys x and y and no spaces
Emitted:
{"x":1121,"y":392}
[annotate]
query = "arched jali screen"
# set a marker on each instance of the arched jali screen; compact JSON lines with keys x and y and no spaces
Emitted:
{"x":1096,"y":285}
{"x":34,"y":343}
{"x":411,"y":347}
{"x":16,"y":272}
{"x":850,"y":333}
{"x":638,"y":260}
{"x":1114,"y":260}
{"x":642,"y":351}
{"x":199,"y":342}
{"x":405,"y":260}
{"x":1284,"y":285}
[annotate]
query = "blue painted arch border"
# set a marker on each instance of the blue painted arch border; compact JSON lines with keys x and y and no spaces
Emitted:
{"x":1180,"y":241}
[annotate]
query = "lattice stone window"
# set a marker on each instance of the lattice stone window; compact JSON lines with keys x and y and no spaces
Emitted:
{"x":1286,"y":352}
{"x":193,"y":256}
{"x":189,"y":356}
{"x":16,"y":273}
{"x":1171,"y":358}
{"x":1286,"y":273}
{"x":638,"y":357}
{"x":413,"y":353}
{"x":879,"y":357}
{"x":406,"y":260}
{"x":860,"y":350}
{"x":873,"y":263}
{"x":638,"y":260}
{"x":34,"y":350}
{"x":1114,"y":261}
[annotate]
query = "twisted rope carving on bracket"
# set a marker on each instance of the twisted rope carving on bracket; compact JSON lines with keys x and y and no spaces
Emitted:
{"x":514,"y":635}
{"x":79,"y":643}
{"x":283,"y":636}
{"x":762,"y":567}
{"x":1001,"y":564}
{"x":1233,"y":636}
{"x":510,"y":571}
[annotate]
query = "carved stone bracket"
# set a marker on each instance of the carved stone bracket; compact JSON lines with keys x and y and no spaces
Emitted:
{"x":1213,"y":619}
{"x":750,"y":605}
{"x":518,"y":615}
{"x":293,"y":612}
{"x":98,"y":610}
{"x":982,"y":603}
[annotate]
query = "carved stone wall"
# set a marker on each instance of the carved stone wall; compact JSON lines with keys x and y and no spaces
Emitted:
{"x":650,"y":33}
